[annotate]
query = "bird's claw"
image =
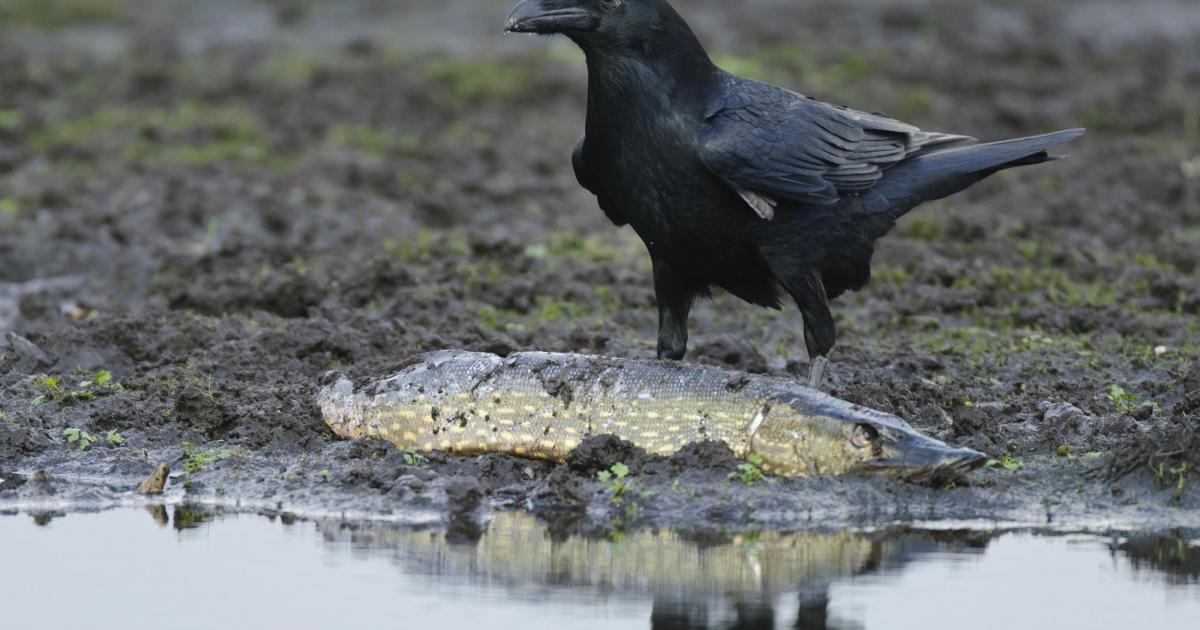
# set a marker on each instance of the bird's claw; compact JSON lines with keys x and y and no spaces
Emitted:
{"x":816,"y":371}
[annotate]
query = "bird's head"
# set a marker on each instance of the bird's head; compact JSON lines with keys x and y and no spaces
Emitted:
{"x":588,"y":21}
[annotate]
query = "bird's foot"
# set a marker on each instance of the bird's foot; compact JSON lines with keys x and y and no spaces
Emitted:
{"x":816,"y":371}
{"x":671,"y":353}
{"x":672,"y":345}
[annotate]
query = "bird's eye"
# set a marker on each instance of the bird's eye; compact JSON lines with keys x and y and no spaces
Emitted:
{"x":863,"y":435}
{"x":609,"y":5}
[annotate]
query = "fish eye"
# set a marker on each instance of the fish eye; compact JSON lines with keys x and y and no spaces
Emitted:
{"x":863,"y":435}
{"x":609,"y":5}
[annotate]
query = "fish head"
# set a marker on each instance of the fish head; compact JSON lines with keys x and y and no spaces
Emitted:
{"x":905,"y":452}
{"x":812,"y":434}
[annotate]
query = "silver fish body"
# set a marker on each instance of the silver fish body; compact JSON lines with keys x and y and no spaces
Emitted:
{"x":542,"y":405}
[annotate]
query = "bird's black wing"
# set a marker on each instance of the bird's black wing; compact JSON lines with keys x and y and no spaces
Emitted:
{"x":771,"y":144}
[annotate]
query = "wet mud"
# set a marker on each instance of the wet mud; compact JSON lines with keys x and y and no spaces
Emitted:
{"x":204,"y":209}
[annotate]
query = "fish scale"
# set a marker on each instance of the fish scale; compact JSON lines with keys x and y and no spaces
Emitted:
{"x":542,"y":405}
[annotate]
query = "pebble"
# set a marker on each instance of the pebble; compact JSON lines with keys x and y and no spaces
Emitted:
{"x":32,"y":358}
{"x":1064,"y":415}
{"x":936,"y":420}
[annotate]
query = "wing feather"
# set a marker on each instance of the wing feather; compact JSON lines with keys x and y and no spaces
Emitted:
{"x":771,"y":144}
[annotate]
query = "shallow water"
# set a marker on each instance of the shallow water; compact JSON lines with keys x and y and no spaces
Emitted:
{"x":184,"y":568}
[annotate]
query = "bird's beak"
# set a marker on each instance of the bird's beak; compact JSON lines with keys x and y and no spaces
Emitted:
{"x":533,"y":16}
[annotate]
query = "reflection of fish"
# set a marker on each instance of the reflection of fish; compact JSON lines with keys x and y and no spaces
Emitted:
{"x":542,"y":405}
{"x":707,"y":580}
{"x":519,"y":552}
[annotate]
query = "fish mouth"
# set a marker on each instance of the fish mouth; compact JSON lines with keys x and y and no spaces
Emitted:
{"x":531,"y":16}
{"x":917,"y":458}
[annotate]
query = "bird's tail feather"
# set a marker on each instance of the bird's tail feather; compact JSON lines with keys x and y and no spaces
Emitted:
{"x":943,"y":172}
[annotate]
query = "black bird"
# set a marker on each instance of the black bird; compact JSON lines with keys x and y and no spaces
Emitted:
{"x":741,"y":184}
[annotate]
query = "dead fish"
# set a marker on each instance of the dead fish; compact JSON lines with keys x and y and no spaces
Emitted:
{"x":542,"y":405}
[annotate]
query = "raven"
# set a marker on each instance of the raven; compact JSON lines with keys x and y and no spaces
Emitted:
{"x":741,"y":184}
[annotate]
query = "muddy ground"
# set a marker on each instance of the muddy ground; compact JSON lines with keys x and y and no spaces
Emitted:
{"x":205,"y":206}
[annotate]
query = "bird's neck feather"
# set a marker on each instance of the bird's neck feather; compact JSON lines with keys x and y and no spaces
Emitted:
{"x":669,"y":67}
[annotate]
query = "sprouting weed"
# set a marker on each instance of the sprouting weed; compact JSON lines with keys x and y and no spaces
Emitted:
{"x":750,"y":472}
{"x":413,"y":457}
{"x":114,"y":439}
{"x":196,"y":459}
{"x":1126,"y":402}
{"x":616,"y":475}
{"x":623,"y":488}
{"x":1008,"y":462}
{"x":80,"y":438}
{"x":95,"y":385}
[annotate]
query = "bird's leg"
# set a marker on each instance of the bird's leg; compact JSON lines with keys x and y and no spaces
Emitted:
{"x":819,"y":335}
{"x":820,"y":332}
{"x":674,"y":299}
{"x":816,"y":367}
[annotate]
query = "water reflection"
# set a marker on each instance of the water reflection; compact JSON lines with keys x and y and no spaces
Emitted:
{"x":522,"y":573}
{"x":1176,"y":556}
{"x":186,"y":517}
{"x":519,"y":551}
{"x":763,"y":580}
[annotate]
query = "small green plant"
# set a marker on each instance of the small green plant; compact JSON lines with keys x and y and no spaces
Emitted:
{"x":616,"y":475}
{"x":618,"y":470}
{"x":196,"y":459}
{"x":413,"y":457}
{"x":750,"y":472}
{"x":1125,"y":402}
{"x":1173,"y":476}
{"x":52,"y":387}
{"x":95,"y":385}
{"x":1008,"y":462}
{"x":624,"y":497}
{"x":80,"y":438}
{"x":1121,"y":400}
{"x":114,"y":439}
{"x":324,"y":474}
{"x":1180,"y":473}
